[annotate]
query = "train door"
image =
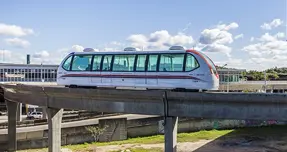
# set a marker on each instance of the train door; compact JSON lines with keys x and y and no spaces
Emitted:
{"x":123,"y":70}
{"x":140,"y":75}
{"x":80,"y":70}
{"x":170,"y":70}
{"x":96,"y":70}
{"x":106,"y":77}
{"x":151,"y":72}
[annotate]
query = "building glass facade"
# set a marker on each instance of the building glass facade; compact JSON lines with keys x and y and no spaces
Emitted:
{"x":230,"y":75}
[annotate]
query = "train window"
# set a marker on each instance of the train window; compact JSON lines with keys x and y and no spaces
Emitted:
{"x":67,"y":63}
{"x":191,"y":63}
{"x":152,"y":63}
{"x":97,"y":63}
{"x":124,"y":62}
{"x":140,"y":65}
{"x":171,"y":62}
{"x":107,"y":63}
{"x":81,"y":63}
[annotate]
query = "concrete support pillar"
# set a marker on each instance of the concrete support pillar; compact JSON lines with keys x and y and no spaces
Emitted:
{"x":170,"y":134}
{"x":54,"y":125}
{"x":115,"y":129}
{"x":45,"y":115}
{"x":12,"y":108}
{"x":19,"y":112}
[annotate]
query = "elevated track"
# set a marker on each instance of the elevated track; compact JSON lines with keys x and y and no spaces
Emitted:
{"x":171,"y":105}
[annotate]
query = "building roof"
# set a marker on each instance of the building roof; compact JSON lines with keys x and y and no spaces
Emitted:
{"x":12,"y":65}
{"x":231,"y":70}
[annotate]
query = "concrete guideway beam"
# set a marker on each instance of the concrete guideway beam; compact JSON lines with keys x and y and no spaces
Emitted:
{"x":54,"y":125}
{"x":12,"y":108}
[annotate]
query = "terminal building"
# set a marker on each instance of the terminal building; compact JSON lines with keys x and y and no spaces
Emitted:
{"x":230,"y":75}
{"x":27,"y":73}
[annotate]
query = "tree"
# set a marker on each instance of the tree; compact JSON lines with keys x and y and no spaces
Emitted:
{"x":96,"y":131}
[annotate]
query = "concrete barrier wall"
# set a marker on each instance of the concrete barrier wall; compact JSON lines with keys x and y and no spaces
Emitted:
{"x":126,"y":129}
{"x":66,"y":118}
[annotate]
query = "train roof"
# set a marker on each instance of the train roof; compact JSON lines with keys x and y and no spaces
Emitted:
{"x":134,"y":52}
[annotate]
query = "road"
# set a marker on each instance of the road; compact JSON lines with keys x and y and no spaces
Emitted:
{"x":5,"y":118}
{"x":76,"y":123}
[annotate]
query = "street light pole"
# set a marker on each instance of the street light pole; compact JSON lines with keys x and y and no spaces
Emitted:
{"x":265,"y":82}
{"x":228,"y":81}
{"x":227,"y":77}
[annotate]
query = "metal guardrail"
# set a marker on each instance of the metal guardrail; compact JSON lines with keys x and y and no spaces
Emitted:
{"x":263,"y":82}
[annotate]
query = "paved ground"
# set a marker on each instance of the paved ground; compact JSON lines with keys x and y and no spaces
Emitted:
{"x":235,"y":145}
{"x":5,"y":118}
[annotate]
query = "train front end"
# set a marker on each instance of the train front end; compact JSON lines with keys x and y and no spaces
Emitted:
{"x":207,"y":71}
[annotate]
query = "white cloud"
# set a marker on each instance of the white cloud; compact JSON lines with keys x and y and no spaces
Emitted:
{"x":138,"y":40}
{"x":266,"y":37}
{"x":17,"y":42}
{"x":231,"y":63}
{"x":268,"y":49}
{"x":255,"y":53}
{"x":73,"y":48}
{"x":159,"y":40}
{"x":216,"y":39}
{"x":5,"y":53}
{"x":238,"y":36}
{"x":43,"y":54}
{"x":273,"y":24}
{"x":252,"y":39}
{"x":77,"y":48}
{"x":219,"y":35}
{"x":116,"y":43}
{"x":14,"y":30}
{"x":277,"y":47}
{"x":225,"y":27}
{"x":209,"y":36}
{"x":217,"y":48}
{"x":7,"y":56}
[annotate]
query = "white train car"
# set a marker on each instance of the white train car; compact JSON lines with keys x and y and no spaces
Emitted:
{"x":175,"y":68}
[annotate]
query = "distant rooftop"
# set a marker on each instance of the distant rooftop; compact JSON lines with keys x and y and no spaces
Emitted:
{"x":27,"y":65}
{"x":237,"y":70}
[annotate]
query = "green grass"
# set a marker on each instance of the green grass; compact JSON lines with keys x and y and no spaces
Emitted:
{"x":182,"y":137}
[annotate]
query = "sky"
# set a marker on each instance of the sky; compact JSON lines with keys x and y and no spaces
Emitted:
{"x":245,"y":34}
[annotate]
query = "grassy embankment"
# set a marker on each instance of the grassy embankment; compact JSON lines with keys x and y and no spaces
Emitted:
{"x":261,"y":132}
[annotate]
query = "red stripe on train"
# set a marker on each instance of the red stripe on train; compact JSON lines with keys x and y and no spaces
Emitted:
{"x":131,"y":76}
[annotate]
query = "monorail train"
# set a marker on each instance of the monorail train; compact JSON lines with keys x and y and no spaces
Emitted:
{"x":175,"y":68}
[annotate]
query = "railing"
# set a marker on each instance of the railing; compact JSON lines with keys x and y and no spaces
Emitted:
{"x":254,"y":82}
